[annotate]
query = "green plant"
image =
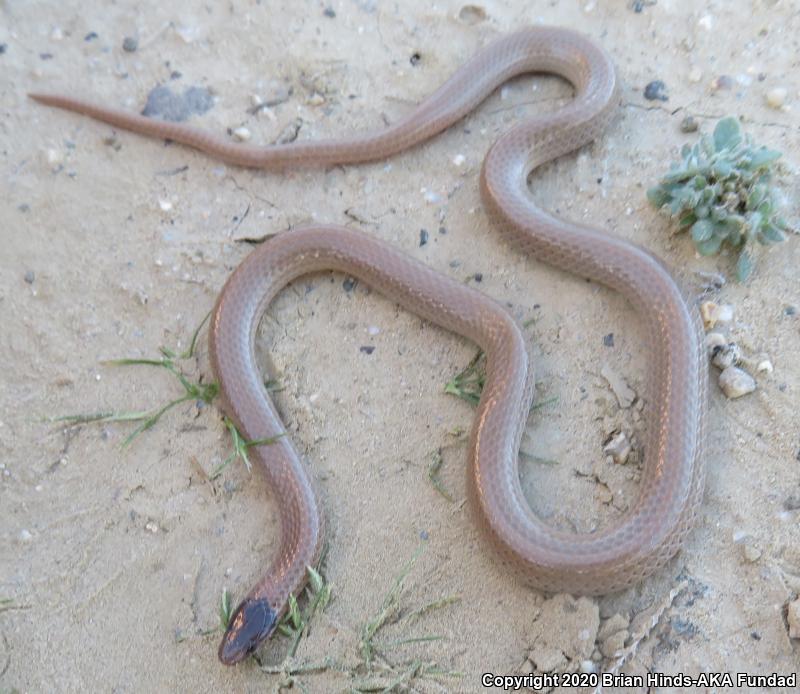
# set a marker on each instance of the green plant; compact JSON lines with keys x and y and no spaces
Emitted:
{"x":720,"y":192}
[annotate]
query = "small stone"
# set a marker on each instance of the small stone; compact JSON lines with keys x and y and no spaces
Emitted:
{"x":91,"y":36}
{"x":714,"y":313}
{"x":349,"y":284}
{"x":723,"y":82}
{"x":478,"y":277}
{"x":367,"y":349}
{"x":329,"y":12}
{"x":714,"y":341}
{"x":608,"y":340}
{"x":373,"y":330}
{"x":25,"y":536}
{"x":793,"y":618}
{"x":151,"y":527}
{"x":54,"y":156}
{"x":706,"y":22}
{"x":619,"y":448}
{"x":735,"y":383}
{"x":656,"y":91}
{"x":242,"y":134}
{"x":587,"y":667}
{"x":612,"y":625}
{"x":792,"y":503}
{"x":165,"y":205}
{"x":30,"y":276}
{"x":695,"y":74}
{"x":689,"y":124}
{"x":776,"y":97}
{"x":57,"y":34}
{"x":130,"y":44}
{"x":725,"y":356}
{"x":472,"y":14}
{"x":316,"y":99}
{"x":614,"y":644}
{"x":625,"y":394}
{"x":790,"y":311}
{"x":459,"y":160}
{"x":423,"y":237}
{"x":765,"y":366}
{"x":547,"y":658}
{"x":750,"y":552}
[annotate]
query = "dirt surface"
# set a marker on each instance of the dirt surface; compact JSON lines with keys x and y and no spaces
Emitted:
{"x":112,"y":561}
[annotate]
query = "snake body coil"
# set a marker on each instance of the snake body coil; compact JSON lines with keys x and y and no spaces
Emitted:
{"x":672,"y":481}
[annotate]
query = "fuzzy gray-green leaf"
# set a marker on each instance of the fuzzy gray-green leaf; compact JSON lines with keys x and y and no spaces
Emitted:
{"x":744,"y":266}
{"x":710,"y":246}
{"x":702,"y":230}
{"x":727,"y":134}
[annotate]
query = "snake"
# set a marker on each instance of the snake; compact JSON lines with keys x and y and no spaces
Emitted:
{"x":633,"y":546}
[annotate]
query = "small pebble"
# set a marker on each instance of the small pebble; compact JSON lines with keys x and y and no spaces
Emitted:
{"x":765,"y":366}
{"x":130,"y":44}
{"x":695,"y":74}
{"x":750,"y":552}
{"x":415,"y":59}
{"x":608,"y":340}
{"x":776,"y":97}
{"x":656,"y":91}
{"x":735,"y":383}
{"x":793,"y":618}
{"x":478,"y":277}
{"x":91,"y":36}
{"x":625,"y":394}
{"x":373,"y":330}
{"x":242,"y":134}
{"x":57,"y":34}
{"x":790,"y":311}
{"x":367,"y":349}
{"x":3,"y":47}
{"x":714,"y":341}
{"x":349,"y":284}
{"x":423,"y":237}
{"x":165,"y":205}
{"x":151,"y":526}
{"x":706,"y":22}
{"x":619,"y":448}
{"x":329,"y":12}
{"x":316,"y":99}
{"x":792,"y":503}
{"x":30,"y":276}
{"x":459,"y":160}
{"x":725,"y":356}
{"x":472,"y":14}
{"x":722,"y":82}
{"x":25,"y":536}
{"x":714,"y":313}
{"x":689,"y":124}
{"x":587,"y":667}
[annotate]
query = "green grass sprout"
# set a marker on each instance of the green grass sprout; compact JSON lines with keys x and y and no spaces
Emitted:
{"x":721,"y":193}
{"x":240,"y":446}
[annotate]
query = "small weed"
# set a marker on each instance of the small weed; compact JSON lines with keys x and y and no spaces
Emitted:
{"x":720,"y":192}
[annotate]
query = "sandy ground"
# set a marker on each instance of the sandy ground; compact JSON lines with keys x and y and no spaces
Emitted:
{"x":112,"y":561}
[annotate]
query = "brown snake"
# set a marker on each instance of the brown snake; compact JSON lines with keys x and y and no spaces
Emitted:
{"x":652,"y":531}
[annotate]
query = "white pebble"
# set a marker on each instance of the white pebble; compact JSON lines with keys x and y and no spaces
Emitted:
{"x":735,"y":382}
{"x":619,"y":448}
{"x":25,"y":535}
{"x":373,"y":329}
{"x":695,"y":74}
{"x":57,"y":34}
{"x":316,"y":99}
{"x":588,"y":667}
{"x":764,"y":366}
{"x":459,"y":159}
{"x":714,"y":340}
{"x":54,"y":156}
{"x":714,"y":313}
{"x":242,"y":134}
{"x":256,"y":100}
{"x":726,"y":356}
{"x":776,"y":97}
{"x":165,"y":205}
{"x":151,"y":526}
{"x":706,"y":22}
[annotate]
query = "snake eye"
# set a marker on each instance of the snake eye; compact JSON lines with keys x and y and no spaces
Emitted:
{"x":252,"y":622}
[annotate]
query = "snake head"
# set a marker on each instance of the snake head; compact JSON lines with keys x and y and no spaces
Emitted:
{"x":252,"y":622}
